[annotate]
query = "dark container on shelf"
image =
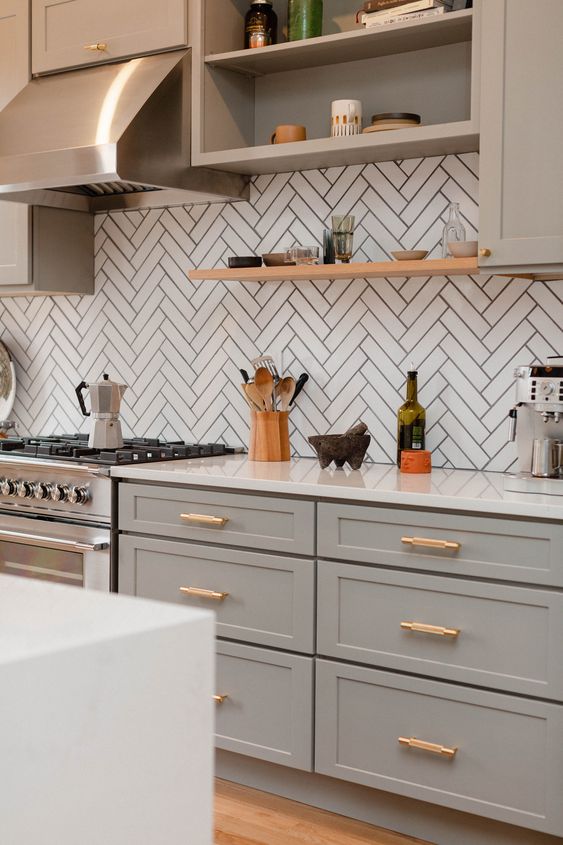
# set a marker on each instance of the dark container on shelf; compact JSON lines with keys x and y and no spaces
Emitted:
{"x":260,"y":25}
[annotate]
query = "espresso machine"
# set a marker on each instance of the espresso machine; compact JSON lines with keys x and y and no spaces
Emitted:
{"x":536,"y":424}
{"x":105,"y":401}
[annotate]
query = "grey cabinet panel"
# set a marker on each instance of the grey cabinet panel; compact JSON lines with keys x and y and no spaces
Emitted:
{"x":62,"y":32}
{"x":508,"y":765}
{"x":510,"y":637}
{"x":497,"y":548}
{"x":257,"y":522}
{"x":269,"y":709}
{"x":270,"y":599}
{"x":522,"y":70}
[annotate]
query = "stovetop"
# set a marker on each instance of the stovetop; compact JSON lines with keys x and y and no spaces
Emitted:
{"x":74,"y":448}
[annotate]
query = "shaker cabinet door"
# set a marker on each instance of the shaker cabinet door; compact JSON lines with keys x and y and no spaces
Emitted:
{"x":85,"y":32}
{"x":521,"y":167}
{"x":15,"y":219}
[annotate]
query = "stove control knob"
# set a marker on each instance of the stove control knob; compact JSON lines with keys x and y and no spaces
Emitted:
{"x":60,"y":493}
{"x":8,"y":487}
{"x":25,"y":489}
{"x":42,"y":490}
{"x":78,"y":495}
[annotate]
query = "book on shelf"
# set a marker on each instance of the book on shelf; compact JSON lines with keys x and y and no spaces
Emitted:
{"x":406,"y":8}
{"x":385,"y":5}
{"x":411,"y":16}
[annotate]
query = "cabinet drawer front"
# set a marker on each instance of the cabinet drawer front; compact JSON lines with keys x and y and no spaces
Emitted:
{"x":257,"y":522}
{"x":61,"y":32}
{"x":508,"y":764}
{"x":268,"y":712}
{"x":269,"y":599}
{"x":509,"y":637}
{"x":503,"y":549}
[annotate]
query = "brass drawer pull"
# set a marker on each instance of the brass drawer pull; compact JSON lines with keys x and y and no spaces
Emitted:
{"x":432,"y":747}
{"x":219,"y":699}
{"x":99,"y":46}
{"x":204,"y":594}
{"x":430,"y":543}
{"x":205,"y":519}
{"x":423,"y":628}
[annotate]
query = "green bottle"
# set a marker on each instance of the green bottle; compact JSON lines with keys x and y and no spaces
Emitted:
{"x":304,"y":19}
{"x":411,"y":419}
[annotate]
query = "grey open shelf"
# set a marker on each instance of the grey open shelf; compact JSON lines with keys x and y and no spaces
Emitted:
{"x":350,"y":46}
{"x":428,"y":66}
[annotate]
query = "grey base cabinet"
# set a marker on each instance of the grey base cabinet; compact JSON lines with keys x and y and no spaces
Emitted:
{"x":407,"y":651}
{"x":265,"y":704}
{"x":495,"y":755}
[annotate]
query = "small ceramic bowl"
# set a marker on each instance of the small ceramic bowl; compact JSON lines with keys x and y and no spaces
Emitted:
{"x":463,"y":249}
{"x":276,"y":259}
{"x":410,"y":254}
{"x":237,"y":262}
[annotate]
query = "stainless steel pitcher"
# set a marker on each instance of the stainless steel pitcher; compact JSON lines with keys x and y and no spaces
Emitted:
{"x":546,"y":457}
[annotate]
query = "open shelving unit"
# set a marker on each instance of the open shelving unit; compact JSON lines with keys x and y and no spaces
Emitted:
{"x":427,"y":66}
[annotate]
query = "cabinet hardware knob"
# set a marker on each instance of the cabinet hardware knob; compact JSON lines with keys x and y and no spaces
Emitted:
{"x":219,"y":699}
{"x":204,"y":594}
{"x":430,"y":543}
{"x":98,"y":47}
{"x":204,"y":519}
{"x":485,"y":252}
{"x":432,"y":747}
{"x":423,"y":628}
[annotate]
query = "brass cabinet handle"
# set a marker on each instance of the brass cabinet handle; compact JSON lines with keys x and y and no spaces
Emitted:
{"x":485,"y":253}
{"x":219,"y":699}
{"x":204,"y":594}
{"x":99,"y":46}
{"x":204,"y":519}
{"x":432,"y":747}
{"x":423,"y":628}
{"x":430,"y":543}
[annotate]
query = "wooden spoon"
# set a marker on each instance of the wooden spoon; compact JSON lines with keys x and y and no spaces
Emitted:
{"x":285,"y":389}
{"x":264,"y":383}
{"x":254,"y":395}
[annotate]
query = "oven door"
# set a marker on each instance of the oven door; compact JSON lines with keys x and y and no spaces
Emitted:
{"x":55,"y":551}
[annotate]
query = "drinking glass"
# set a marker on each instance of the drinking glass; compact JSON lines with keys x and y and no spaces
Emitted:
{"x":302,"y":255}
{"x":343,"y":236}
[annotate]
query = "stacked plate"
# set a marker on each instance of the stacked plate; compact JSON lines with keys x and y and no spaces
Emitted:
{"x":392,"y":120}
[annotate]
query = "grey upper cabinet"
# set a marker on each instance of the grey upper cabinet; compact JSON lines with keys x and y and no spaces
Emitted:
{"x":42,"y":250}
{"x":521,"y":202}
{"x":15,"y":219}
{"x":85,"y":32}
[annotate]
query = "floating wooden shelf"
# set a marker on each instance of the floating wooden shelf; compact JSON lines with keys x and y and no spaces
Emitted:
{"x":356,"y":270}
{"x":451,"y":28}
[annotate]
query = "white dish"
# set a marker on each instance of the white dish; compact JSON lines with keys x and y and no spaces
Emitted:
{"x":410,"y":254}
{"x":463,"y":249}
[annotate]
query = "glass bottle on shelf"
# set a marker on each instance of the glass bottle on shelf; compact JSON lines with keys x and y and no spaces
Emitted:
{"x":260,"y":25}
{"x":454,"y":230}
{"x":304,"y":19}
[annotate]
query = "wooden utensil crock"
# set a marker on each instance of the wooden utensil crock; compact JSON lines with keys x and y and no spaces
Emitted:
{"x":269,"y":436}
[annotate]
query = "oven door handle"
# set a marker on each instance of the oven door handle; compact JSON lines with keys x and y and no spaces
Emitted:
{"x":57,"y":543}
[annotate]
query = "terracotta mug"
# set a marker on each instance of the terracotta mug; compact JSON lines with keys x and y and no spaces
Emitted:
{"x":288,"y":132}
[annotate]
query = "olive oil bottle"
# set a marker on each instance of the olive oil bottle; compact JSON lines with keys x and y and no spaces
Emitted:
{"x":411,"y":419}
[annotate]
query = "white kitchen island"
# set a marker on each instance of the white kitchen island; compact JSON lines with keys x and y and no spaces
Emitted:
{"x":106,"y":718}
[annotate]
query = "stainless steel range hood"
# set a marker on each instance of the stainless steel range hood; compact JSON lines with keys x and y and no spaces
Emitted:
{"x":108,"y":137}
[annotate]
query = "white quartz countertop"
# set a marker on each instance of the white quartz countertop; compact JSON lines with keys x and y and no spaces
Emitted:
{"x":451,"y":489}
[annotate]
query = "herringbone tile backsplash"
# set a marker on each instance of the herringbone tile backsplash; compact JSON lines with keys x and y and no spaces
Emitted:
{"x":178,"y":344}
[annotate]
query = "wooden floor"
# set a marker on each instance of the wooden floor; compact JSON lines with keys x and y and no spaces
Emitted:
{"x":247,"y":817}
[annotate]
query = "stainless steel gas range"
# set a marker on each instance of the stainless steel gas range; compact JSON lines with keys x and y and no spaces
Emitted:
{"x":56,"y":504}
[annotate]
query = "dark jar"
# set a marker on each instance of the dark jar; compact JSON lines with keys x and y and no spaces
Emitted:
{"x":304,"y":19}
{"x":260,"y":25}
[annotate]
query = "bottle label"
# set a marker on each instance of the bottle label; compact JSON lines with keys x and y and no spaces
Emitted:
{"x":411,"y":437}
